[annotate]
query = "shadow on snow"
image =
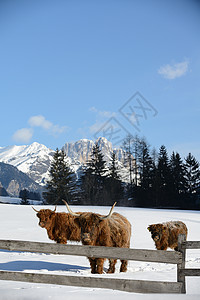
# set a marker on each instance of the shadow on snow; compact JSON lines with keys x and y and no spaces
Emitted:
{"x":21,"y":265}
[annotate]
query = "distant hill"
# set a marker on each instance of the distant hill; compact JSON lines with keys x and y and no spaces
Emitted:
{"x":3,"y":191}
{"x":12,"y":180}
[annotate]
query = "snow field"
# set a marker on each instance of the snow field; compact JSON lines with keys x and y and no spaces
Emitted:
{"x":20,"y":223}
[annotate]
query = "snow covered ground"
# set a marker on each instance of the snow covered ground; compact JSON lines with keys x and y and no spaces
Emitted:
{"x":20,"y":223}
{"x":14,"y":200}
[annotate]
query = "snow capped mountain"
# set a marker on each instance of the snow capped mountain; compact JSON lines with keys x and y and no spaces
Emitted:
{"x":34,"y":160}
{"x":80,"y":152}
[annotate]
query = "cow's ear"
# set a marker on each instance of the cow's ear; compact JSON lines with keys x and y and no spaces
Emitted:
{"x":164,"y":228}
{"x":149,"y":228}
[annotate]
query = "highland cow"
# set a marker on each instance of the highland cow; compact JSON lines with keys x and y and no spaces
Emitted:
{"x":165,"y":235}
{"x":113,"y":230}
{"x":60,"y":226}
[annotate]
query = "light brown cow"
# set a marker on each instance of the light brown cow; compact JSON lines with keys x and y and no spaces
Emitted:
{"x":113,"y":230}
{"x":60,"y":226}
{"x":165,"y":235}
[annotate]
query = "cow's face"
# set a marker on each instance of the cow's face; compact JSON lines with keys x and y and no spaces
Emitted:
{"x":44,"y":216}
{"x":90,"y":225}
{"x":156,"y":231}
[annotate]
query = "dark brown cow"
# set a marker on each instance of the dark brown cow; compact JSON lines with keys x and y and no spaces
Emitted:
{"x":165,"y":235}
{"x":60,"y":226}
{"x":113,"y":230}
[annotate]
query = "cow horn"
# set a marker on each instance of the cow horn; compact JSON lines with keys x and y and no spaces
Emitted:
{"x":70,"y":211}
{"x":35,"y":209}
{"x":110,"y":213}
{"x":55,"y":208}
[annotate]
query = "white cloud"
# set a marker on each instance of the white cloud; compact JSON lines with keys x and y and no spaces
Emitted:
{"x":40,"y":121}
{"x":101,"y":117}
{"x":174,"y":71}
{"x":93,"y":109}
{"x":102,"y":113}
{"x":95,"y":127}
{"x":23,"y":135}
{"x":56,"y":129}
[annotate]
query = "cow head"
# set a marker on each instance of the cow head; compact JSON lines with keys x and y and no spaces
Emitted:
{"x":91,"y":224}
{"x":157,"y":231}
{"x":45,"y":216}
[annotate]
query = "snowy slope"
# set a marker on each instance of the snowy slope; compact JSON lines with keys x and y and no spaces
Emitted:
{"x":20,"y":223}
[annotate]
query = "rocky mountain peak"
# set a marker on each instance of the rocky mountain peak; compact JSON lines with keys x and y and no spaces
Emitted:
{"x":34,"y":160}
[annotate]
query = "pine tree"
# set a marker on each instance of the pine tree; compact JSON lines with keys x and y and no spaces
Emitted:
{"x":97,"y":164}
{"x":145,"y":174}
{"x":192,"y":174}
{"x":178,"y":179}
{"x":23,"y":194}
{"x":136,"y":153}
{"x":60,"y":185}
{"x":114,"y":186}
{"x":93,"y":178}
{"x":113,"y":169}
{"x":127,"y":146}
{"x":163,"y":179}
{"x":87,"y":191}
{"x":145,"y":166}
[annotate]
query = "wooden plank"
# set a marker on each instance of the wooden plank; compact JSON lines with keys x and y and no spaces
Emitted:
{"x":190,"y":272}
{"x":159,"y":256}
{"x":181,"y":276}
{"x":191,"y":245}
{"x":127,"y":285}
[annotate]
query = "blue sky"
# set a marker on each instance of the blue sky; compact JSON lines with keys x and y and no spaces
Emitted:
{"x":80,"y":69}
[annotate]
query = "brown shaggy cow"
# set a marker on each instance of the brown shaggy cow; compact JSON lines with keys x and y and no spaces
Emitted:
{"x":60,"y":226}
{"x":113,"y":230}
{"x":166,"y":234}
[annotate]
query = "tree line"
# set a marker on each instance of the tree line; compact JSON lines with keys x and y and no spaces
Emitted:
{"x":155,"y":179}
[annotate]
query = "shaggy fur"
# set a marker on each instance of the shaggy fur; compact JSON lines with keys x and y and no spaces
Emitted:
{"x":112,"y":232}
{"x":60,"y":226}
{"x":165,"y":235}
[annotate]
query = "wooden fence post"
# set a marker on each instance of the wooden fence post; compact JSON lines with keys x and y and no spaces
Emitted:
{"x":181,"y":276}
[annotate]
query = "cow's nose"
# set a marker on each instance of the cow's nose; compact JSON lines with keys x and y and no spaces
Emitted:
{"x":41,"y":224}
{"x":156,"y":237}
{"x":86,"y":236}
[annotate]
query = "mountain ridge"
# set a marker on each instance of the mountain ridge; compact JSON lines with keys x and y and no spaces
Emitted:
{"x":34,"y":160}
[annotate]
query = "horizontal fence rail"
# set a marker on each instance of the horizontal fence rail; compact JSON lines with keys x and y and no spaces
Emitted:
{"x":190,"y":245}
{"x":190,"y":272}
{"x":158,"y":256}
{"x":127,"y":285}
{"x":140,"y":286}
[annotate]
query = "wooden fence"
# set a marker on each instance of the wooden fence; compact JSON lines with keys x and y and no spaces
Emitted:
{"x":182,"y":272}
{"x":128,"y":285}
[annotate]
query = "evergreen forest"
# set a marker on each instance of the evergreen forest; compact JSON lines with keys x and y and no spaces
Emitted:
{"x":155,"y":179}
